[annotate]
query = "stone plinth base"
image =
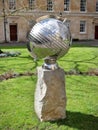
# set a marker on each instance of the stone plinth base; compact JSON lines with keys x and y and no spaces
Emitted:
{"x":50,"y":96}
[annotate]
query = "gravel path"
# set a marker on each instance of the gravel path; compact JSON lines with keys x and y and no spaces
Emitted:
{"x":92,"y":43}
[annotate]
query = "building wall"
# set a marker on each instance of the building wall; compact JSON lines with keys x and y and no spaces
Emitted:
{"x":91,"y":5}
{"x":1,"y":23}
{"x":75,"y":6}
{"x":1,"y":31}
{"x":24,"y":18}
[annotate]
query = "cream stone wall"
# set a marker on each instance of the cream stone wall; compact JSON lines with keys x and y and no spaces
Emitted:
{"x":91,"y":5}
{"x":23,"y":17}
{"x":1,"y":23}
{"x":58,"y":5}
{"x":75,"y":28}
{"x":75,"y":5}
{"x":1,"y":31}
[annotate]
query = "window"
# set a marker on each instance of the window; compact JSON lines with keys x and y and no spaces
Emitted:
{"x":31,"y":4}
{"x":12,"y":4}
{"x":82,"y":5}
{"x":49,"y":5}
{"x":96,"y":6}
{"x":82,"y":26}
{"x":68,"y":23}
{"x":66,"y":5}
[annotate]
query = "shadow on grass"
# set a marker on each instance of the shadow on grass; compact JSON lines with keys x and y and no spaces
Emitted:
{"x":85,"y":60}
{"x":79,"y":120}
{"x":77,"y":62}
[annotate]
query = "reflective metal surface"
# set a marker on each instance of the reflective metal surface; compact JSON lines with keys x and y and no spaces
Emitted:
{"x":49,"y":37}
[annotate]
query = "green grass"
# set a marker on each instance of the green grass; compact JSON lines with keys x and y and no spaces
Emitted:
{"x":82,"y":59}
{"x":21,"y":63}
{"x":17,"y":94}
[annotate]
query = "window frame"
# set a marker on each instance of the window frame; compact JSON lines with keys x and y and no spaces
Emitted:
{"x":12,"y":4}
{"x":96,"y":6}
{"x":66,"y":5}
{"x":31,"y":4}
{"x":49,"y":5}
{"x":82,"y":27}
{"x":83,"y":5}
{"x":68,"y":22}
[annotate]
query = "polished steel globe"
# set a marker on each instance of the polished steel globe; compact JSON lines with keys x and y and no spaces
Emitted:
{"x":49,"y":37}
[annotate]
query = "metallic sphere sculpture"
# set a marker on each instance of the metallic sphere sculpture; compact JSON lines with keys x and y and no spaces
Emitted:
{"x":50,"y":38}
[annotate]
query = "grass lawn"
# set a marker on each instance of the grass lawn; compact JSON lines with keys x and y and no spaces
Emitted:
{"x":17,"y":94}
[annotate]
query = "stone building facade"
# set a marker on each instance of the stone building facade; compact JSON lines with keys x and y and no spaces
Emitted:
{"x":17,"y":17}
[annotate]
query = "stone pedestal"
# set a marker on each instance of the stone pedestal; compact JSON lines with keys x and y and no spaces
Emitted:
{"x":50,"y":96}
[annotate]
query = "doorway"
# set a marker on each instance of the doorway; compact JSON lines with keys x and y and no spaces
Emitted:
{"x":96,"y":32}
{"x":13,"y":32}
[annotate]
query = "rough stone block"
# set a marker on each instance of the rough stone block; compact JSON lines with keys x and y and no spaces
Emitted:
{"x":50,"y":95}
